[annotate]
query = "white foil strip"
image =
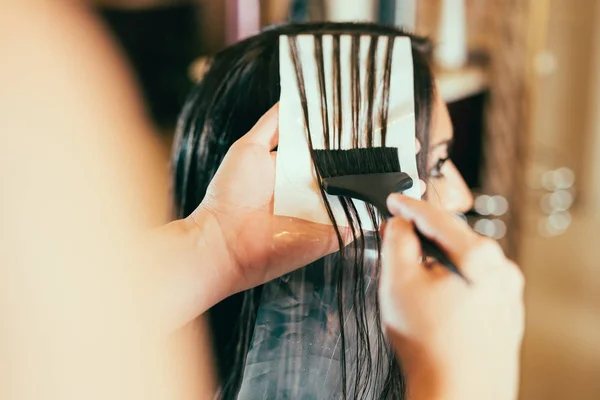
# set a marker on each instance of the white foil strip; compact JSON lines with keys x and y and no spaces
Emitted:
{"x":297,"y":192}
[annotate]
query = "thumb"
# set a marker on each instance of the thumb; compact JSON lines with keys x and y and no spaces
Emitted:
{"x":400,"y":262}
{"x":266,"y":131}
{"x":401,"y":250}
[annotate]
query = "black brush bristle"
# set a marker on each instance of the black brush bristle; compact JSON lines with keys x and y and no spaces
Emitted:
{"x":374,"y":160}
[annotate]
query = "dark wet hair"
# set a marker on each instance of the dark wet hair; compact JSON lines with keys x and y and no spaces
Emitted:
{"x":241,"y":83}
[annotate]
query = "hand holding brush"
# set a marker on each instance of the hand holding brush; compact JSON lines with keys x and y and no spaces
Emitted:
{"x":455,"y":342}
{"x":371,"y":175}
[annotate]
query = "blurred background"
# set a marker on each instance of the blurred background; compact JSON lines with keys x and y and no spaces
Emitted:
{"x":522,"y":80}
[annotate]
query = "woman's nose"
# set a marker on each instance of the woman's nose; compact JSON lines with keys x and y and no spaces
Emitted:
{"x":458,"y":197}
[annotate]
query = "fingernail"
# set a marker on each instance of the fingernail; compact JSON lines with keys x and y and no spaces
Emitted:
{"x":417,"y":146}
{"x":423,"y":186}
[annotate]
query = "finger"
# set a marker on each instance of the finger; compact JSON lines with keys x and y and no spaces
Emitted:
{"x":454,"y":237}
{"x":266,"y":131}
{"x":401,"y":250}
{"x":399,"y":263}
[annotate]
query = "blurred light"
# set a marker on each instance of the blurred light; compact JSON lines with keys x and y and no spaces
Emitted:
{"x":500,"y":206}
{"x":546,"y":203}
{"x":491,"y":205}
{"x":543,"y":228}
{"x":482,"y":204}
{"x":545,"y":63}
{"x":564,"y":178}
{"x":493,"y":228}
{"x":554,"y":224}
{"x":548,"y":181}
{"x":560,"y":221}
{"x":555,"y":202}
{"x":485,"y":227}
{"x":561,"y":200}
{"x":499,"y":229}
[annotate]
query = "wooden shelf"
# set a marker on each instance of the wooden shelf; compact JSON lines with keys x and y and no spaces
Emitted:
{"x":459,"y":84}
{"x":453,"y":85}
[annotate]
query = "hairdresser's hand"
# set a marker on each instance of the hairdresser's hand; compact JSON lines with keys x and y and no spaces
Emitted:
{"x":455,"y":340}
{"x":256,"y":246}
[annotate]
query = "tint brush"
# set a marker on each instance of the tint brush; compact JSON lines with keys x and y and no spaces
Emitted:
{"x":371,"y":175}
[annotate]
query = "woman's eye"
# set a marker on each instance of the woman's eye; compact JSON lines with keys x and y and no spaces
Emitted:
{"x":436,"y":171}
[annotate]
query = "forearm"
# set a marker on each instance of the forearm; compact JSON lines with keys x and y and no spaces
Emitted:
{"x":191,"y":268}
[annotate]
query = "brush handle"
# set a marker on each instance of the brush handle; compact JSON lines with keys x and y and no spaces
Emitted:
{"x":371,"y":188}
{"x":375,"y":189}
{"x":431,"y":249}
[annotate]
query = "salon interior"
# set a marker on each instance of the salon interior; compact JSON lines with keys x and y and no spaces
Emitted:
{"x":522,"y":82}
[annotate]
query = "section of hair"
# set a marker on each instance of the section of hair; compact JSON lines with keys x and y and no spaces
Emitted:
{"x":369,"y":373}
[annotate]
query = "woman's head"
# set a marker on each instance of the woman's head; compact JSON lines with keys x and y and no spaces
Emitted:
{"x":239,"y":86}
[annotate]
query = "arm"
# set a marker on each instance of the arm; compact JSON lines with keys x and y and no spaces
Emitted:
{"x":232,"y":241}
{"x":191,"y":264}
{"x":80,"y":175}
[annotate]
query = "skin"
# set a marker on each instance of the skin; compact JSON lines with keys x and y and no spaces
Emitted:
{"x":448,"y":335}
{"x":446,"y":188}
{"x":81,"y":180}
